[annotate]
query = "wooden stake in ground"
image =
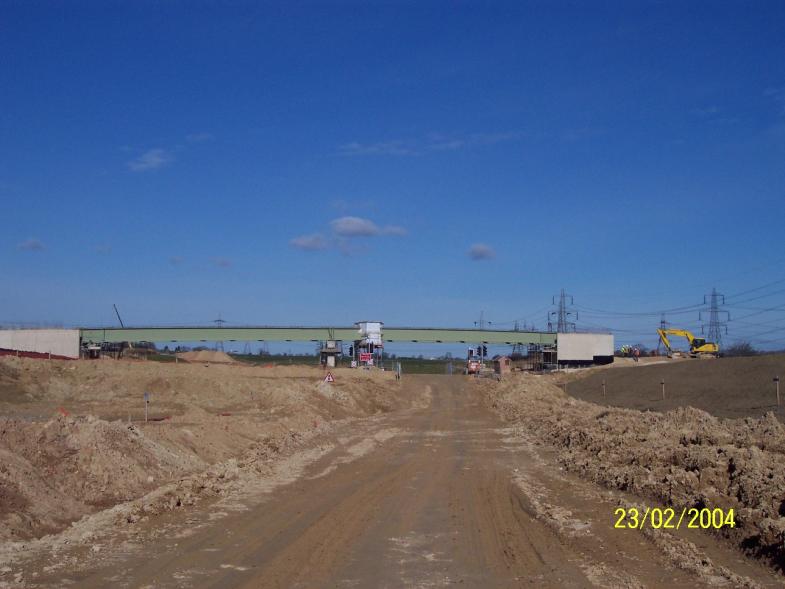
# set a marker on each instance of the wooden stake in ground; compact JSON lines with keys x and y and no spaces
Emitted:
{"x":662,"y":382}
{"x":777,"y":383}
{"x":146,"y":404}
{"x":603,"y":387}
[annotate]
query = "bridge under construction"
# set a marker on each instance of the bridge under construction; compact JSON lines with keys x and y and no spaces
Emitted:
{"x":571,"y":348}
{"x":312,"y":334}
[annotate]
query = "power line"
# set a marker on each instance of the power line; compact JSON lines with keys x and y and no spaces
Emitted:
{"x":674,"y":311}
{"x":766,"y":324}
{"x":715,"y":324}
{"x":688,"y":308}
{"x":771,"y":330}
{"x":562,"y":314}
{"x":763,"y":296}
{"x":761,"y":311}
{"x":765,"y":310}
{"x":733,"y":296}
{"x":525,"y":317}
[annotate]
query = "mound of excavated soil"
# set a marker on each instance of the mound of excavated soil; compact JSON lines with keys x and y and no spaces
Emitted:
{"x":683,"y":458}
{"x":62,"y":469}
{"x":73,"y":439}
{"x":209,"y":356}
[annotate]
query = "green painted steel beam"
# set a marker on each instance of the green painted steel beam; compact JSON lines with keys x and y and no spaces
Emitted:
{"x":466,"y":336}
{"x":306,"y":334}
{"x":217,"y":334}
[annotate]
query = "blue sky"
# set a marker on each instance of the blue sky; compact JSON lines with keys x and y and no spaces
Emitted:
{"x":322,"y":163}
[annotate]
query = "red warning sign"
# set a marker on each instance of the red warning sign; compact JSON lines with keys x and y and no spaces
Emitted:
{"x":365,"y":356}
{"x":329,"y":377}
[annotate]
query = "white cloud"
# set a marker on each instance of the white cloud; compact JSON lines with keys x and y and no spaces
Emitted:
{"x":150,"y":160}
{"x":199,"y":137}
{"x":354,"y":227}
{"x":313,"y":242}
{"x":396,"y":147}
{"x":440,"y":142}
{"x":220,"y":262}
{"x":432,"y":142}
{"x":447,"y":145}
{"x":480,"y":251}
{"x":359,"y":227}
{"x":344,"y":232}
{"x":31,"y":245}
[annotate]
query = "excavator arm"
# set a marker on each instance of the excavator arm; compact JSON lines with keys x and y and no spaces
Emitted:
{"x":664,"y":340}
{"x":664,"y":333}
{"x":697,"y":345}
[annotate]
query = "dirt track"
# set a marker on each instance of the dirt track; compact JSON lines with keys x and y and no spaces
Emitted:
{"x":423,"y":497}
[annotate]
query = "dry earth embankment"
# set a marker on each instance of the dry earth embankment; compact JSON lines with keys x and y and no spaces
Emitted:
{"x":682,"y":458}
{"x":73,"y":440}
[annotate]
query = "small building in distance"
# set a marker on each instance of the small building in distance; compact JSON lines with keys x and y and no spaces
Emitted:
{"x":329,"y":353}
{"x":502,"y":365}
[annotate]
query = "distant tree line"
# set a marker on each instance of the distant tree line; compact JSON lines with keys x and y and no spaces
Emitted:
{"x":740,"y":349}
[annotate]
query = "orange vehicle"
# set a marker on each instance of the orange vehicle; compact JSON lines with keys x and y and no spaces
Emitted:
{"x":473,"y":366}
{"x":474,"y":363}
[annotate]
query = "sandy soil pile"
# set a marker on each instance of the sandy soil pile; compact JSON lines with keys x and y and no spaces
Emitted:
{"x":211,"y":356}
{"x":113,"y":389}
{"x":85,"y":455}
{"x":683,"y":458}
{"x":56,"y":472}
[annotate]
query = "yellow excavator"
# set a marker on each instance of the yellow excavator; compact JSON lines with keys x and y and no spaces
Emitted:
{"x":699,"y":347}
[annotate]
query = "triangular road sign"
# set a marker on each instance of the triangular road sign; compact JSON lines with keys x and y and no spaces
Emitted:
{"x":329,"y":377}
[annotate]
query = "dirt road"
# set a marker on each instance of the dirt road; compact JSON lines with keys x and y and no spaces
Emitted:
{"x":419,"y":498}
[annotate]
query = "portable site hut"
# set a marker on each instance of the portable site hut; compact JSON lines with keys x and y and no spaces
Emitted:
{"x":502,"y":364}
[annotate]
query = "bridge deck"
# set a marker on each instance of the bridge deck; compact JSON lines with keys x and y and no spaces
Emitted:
{"x":312,"y":334}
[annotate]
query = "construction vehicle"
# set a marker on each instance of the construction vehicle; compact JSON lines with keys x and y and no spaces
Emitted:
{"x":699,"y":347}
{"x":473,"y":365}
{"x":474,"y":360}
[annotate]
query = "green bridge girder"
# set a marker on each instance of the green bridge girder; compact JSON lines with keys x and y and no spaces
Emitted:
{"x":311,"y":334}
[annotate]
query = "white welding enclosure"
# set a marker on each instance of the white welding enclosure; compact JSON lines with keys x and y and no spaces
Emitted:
{"x":584,"y":348}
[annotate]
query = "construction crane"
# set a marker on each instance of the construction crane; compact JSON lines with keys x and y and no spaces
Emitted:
{"x":120,"y":319}
{"x":699,"y":347}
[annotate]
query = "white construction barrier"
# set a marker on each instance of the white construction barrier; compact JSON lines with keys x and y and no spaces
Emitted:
{"x":58,"y":342}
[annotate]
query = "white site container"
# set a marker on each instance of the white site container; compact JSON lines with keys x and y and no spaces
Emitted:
{"x":585,"y":347}
{"x":370,"y":332}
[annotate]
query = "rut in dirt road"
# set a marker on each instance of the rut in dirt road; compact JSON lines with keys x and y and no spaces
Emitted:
{"x":432,"y":497}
